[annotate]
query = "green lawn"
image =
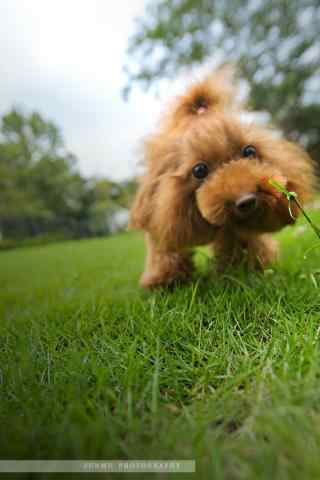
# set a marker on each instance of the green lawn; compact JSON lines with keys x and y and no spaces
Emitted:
{"x":225,"y":371}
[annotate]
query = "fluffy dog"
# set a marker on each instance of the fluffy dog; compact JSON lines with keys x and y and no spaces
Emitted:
{"x":207,"y":182}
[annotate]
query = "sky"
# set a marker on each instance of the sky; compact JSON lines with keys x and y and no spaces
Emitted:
{"x":65,"y":59}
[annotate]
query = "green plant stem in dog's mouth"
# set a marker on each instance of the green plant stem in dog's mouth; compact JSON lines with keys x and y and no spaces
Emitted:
{"x":293,"y":196}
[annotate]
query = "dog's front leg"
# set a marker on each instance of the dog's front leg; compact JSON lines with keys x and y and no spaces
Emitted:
{"x":164,"y":267}
{"x":255,"y":251}
{"x":262,"y":250}
{"x":228,"y":250}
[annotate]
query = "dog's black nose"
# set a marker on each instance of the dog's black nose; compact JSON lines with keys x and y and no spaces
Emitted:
{"x":246,"y":205}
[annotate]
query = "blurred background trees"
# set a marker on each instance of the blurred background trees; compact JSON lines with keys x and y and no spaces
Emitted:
{"x":275,"y":44}
{"x":41,"y":191}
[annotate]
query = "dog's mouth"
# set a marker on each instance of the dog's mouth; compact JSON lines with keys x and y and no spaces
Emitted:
{"x":259,"y":211}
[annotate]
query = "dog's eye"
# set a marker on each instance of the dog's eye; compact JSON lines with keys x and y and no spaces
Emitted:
{"x":249,"y":151}
{"x":200,"y":170}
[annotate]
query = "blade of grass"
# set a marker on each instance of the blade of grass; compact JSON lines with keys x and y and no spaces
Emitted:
{"x":293,"y":196}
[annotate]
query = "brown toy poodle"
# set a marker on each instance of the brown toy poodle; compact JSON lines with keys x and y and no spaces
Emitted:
{"x":207,"y":182}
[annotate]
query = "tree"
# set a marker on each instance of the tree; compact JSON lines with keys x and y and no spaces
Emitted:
{"x":109,"y":210}
{"x":20,"y":207}
{"x":275,"y":43}
{"x":41,"y":190}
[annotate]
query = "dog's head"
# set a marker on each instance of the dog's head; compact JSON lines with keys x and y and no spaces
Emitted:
{"x":208,"y":170}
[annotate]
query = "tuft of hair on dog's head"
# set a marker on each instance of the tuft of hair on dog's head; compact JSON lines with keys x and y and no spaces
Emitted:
{"x":217,"y":92}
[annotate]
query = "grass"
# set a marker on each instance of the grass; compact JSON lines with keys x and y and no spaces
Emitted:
{"x":225,"y":371}
{"x":293,"y":197}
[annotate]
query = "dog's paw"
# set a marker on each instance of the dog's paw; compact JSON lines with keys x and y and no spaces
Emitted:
{"x":151,"y":281}
{"x":154,"y":281}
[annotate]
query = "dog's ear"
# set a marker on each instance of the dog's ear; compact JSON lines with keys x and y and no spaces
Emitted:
{"x":142,"y":207}
{"x":161,"y":157}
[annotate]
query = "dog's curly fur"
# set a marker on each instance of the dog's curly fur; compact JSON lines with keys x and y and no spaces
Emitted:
{"x":179,"y":211}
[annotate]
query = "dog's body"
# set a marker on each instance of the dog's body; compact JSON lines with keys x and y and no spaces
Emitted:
{"x":207,"y":182}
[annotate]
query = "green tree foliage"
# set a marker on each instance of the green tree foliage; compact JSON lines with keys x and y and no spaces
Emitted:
{"x":40,"y":189}
{"x":275,"y":43}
